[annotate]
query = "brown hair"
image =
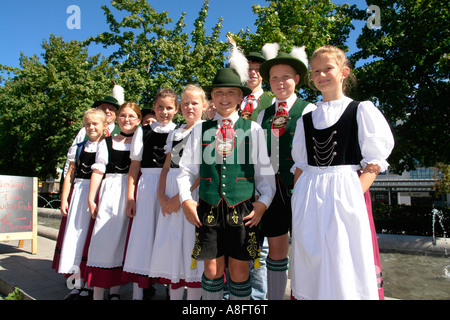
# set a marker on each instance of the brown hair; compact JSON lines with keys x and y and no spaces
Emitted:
{"x":132,"y":105}
{"x":342,"y":61}
{"x":164,"y":93}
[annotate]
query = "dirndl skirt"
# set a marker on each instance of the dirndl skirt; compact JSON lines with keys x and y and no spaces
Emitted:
{"x":332,"y":253}
{"x":107,"y":243}
{"x":76,"y":229}
{"x":174,"y":240}
{"x":142,"y":234}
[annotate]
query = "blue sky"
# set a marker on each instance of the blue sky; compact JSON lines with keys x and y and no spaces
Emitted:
{"x":24,"y":24}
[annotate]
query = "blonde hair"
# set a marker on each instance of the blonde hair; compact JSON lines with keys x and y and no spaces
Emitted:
{"x":132,"y":105}
{"x":200,"y":91}
{"x":94,"y":111}
{"x":196,"y":88}
{"x":342,"y":61}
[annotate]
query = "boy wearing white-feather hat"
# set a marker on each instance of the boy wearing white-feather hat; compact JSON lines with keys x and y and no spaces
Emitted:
{"x":229,"y":155}
{"x":284,"y":72}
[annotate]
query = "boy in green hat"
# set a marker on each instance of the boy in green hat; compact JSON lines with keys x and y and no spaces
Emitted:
{"x":284,"y":72}
{"x":229,"y":155}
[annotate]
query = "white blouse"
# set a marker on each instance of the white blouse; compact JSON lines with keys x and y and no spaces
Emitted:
{"x":89,"y":146}
{"x":375,"y":137}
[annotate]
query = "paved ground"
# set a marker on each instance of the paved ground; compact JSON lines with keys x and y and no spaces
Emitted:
{"x":34,"y":275}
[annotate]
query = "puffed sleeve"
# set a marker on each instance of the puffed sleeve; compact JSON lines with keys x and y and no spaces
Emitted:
{"x":137,"y":145}
{"x":101,"y":157}
{"x":264,"y":174}
{"x":169,"y":142}
{"x":375,"y":136}
{"x":72,"y":153}
{"x":190,"y":163}
{"x":299,"y":154}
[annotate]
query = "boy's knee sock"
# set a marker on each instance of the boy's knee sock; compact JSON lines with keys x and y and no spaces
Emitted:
{"x":240,"y":290}
{"x":212,"y":289}
{"x":277,"y":274}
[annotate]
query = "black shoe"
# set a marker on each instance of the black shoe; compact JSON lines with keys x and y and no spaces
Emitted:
{"x":150,"y":292}
{"x":72,"y":295}
{"x":114,"y":296}
{"x":88,"y":296}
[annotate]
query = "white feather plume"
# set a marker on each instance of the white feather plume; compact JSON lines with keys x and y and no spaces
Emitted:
{"x":270,"y":50}
{"x":119,"y":94}
{"x":239,"y":62}
{"x":300,"y":53}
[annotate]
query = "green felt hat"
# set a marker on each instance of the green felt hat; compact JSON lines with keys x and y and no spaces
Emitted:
{"x":255,"y":56}
{"x":227,"y":77}
{"x":109,"y":100}
{"x":284,"y":58}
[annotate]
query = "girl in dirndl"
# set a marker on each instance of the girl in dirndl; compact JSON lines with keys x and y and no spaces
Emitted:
{"x":332,"y":250}
{"x":81,"y":157}
{"x":147,"y":159}
{"x":110,"y":173}
{"x":175,"y":236}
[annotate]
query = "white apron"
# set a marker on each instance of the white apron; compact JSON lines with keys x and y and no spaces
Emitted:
{"x":107,"y":245}
{"x":174,"y":241}
{"x":77,"y":225}
{"x":332,"y":253}
{"x":142,"y":233}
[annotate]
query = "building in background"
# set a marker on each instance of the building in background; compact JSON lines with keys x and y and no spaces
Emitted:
{"x":410,"y":188}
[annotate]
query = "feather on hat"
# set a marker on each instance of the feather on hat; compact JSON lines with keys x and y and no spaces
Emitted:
{"x":270,"y":50}
{"x":297,"y":59}
{"x":238,"y":62}
{"x":119,"y":94}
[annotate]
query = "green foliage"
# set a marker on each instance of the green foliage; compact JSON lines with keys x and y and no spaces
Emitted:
{"x":43,"y":105}
{"x":410,"y":220}
{"x":151,"y":56}
{"x":15,"y":295}
{"x":43,"y":100}
{"x":441,"y":173}
{"x":409,"y":78}
{"x":300,"y":23}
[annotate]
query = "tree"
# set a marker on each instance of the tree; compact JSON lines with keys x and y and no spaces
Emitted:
{"x":441,"y":173}
{"x":408,"y":78}
{"x":151,"y":56}
{"x":300,"y":23}
{"x":43,"y":105}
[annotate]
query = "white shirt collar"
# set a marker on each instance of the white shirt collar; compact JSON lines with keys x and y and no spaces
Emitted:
{"x":162,"y":128}
{"x":289,"y":101}
{"x":257,"y":94}
{"x":233,"y":117}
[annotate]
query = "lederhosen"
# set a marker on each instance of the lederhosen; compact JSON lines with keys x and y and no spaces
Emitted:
{"x":226,"y":194}
{"x":276,"y":221}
